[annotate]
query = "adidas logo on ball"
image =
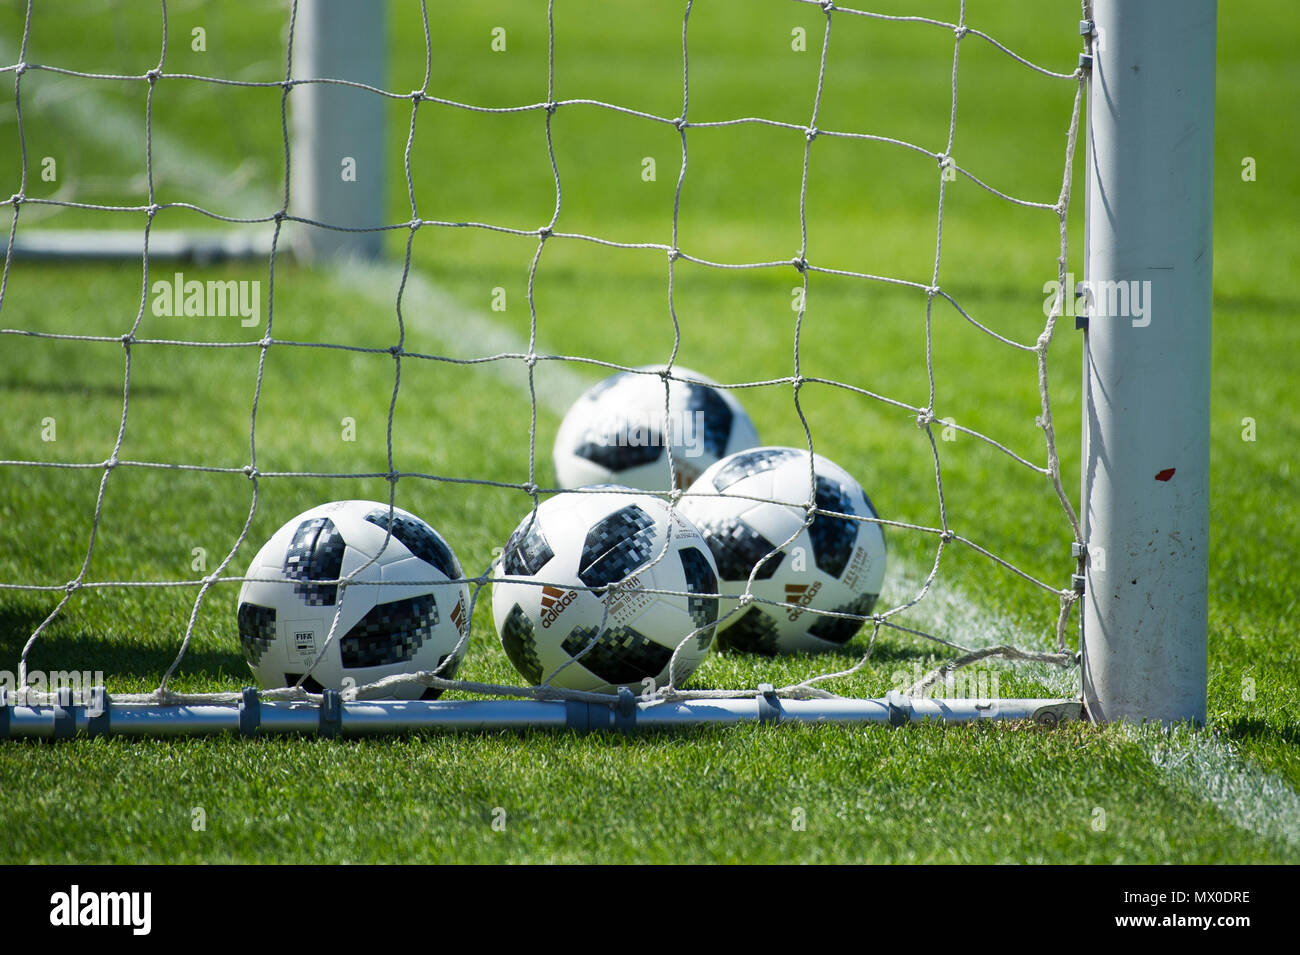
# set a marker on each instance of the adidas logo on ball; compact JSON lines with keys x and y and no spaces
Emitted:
{"x":554,"y":600}
{"x":801,"y":594}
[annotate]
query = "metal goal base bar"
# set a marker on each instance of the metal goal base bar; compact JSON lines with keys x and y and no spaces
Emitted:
{"x":253,"y":716}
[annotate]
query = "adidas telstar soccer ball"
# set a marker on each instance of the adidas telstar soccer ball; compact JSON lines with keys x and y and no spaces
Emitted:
{"x":382,"y":630}
{"x":617,"y":432}
{"x":547,"y":621}
{"x":835,"y":564}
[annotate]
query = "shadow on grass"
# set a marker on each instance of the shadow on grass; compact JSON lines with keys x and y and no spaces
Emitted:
{"x":1252,"y":728}
{"x":86,"y":652}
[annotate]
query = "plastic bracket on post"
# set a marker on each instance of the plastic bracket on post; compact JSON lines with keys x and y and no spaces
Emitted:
{"x":577,"y":716}
{"x":65,"y":714}
{"x":331,"y":714}
{"x":625,"y":711}
{"x":769,"y":704}
{"x":1085,"y":61}
{"x":97,"y":719}
{"x":250,"y":711}
{"x":900,"y":708}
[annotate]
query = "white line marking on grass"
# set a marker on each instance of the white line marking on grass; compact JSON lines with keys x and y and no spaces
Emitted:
{"x":115,"y":128}
{"x":1210,"y":767}
{"x":461,"y":332}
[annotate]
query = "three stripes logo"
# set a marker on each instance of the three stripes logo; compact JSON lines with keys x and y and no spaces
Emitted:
{"x":801,"y":595}
{"x":458,"y":615}
{"x":554,"y":600}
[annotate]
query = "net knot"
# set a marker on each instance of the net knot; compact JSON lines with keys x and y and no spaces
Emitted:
{"x":250,"y":471}
{"x":416,"y":96}
{"x":800,"y":264}
{"x":530,"y":359}
{"x":152,"y":209}
{"x":827,"y":5}
{"x":530,"y":489}
{"x":20,"y":68}
{"x":960,"y":30}
{"x":128,"y":340}
{"x":395,"y":350}
{"x":152,"y":75}
{"x":72,"y":586}
{"x":17,"y":199}
{"x":545,"y":232}
{"x":679,"y":123}
{"x":925,"y":418}
{"x":745,"y":599}
{"x":811,"y":133}
{"x":674,"y":254}
{"x":948,"y":535}
{"x":551,"y":107}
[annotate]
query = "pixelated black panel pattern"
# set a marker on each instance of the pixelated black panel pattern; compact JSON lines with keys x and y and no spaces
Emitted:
{"x":753,"y":632}
{"x":837,"y":629}
{"x":700,"y":579}
{"x":617,"y":545}
{"x":527,"y":551}
{"x":420,"y":539}
{"x":256,"y":630}
{"x":737,"y":547}
{"x":620,"y":655}
{"x":520,"y":645}
{"x":311,"y":685}
{"x":717,"y":417}
{"x":389,"y":633}
{"x":742,"y":465}
{"x":610,"y":448}
{"x":833,"y":538}
{"x":316,"y":553}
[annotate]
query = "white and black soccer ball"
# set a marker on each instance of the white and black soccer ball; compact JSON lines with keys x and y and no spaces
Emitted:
{"x":835,"y":564}
{"x":578,"y":540}
{"x":403,"y":627}
{"x":617,"y":432}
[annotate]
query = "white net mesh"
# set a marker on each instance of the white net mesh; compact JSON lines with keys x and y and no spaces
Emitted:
{"x":526,"y":356}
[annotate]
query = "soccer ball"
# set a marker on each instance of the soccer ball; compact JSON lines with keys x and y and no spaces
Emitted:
{"x":590,"y":540}
{"x":834,"y":564}
{"x":381,"y":630}
{"x":617,"y":431}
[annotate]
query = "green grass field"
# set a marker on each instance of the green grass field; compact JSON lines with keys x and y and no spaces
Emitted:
{"x":989,"y":793}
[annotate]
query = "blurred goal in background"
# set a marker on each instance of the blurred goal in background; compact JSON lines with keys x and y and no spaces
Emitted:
{"x":1136,"y":546}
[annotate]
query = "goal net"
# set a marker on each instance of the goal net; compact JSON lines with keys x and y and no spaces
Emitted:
{"x":843,"y":215}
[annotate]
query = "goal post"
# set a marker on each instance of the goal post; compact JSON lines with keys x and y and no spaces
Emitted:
{"x":1146,"y":407}
{"x":337,"y":172}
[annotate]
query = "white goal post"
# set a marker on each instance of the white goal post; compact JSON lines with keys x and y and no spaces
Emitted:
{"x":1146,"y":403}
{"x":1142,"y":560}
